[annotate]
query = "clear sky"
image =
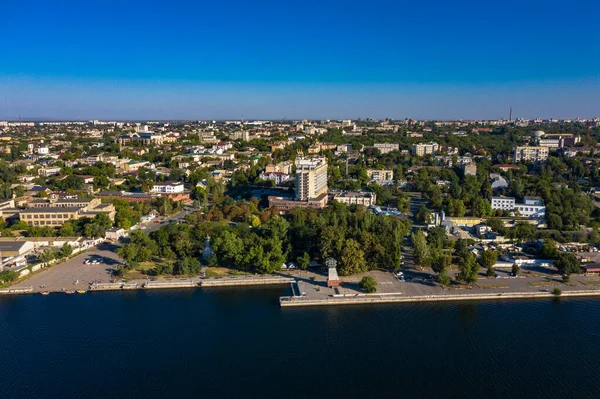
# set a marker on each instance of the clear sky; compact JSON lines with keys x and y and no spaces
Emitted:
{"x":299,"y":59}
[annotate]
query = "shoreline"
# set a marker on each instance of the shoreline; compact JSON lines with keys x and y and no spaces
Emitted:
{"x":290,"y":301}
{"x":302,"y":301}
{"x":154,"y":285}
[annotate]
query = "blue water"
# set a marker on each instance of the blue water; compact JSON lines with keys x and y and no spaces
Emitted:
{"x":231,"y":343}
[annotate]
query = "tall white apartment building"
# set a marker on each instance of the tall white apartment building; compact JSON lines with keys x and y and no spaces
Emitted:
{"x":311,"y":178}
{"x":422,"y":149}
{"x":530,"y":154}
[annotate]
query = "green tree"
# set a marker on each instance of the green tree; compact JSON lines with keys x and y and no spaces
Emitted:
{"x":46,"y":257}
{"x":66,"y":251}
{"x":496,"y":225}
{"x":524,"y":231}
{"x":229,"y":249}
{"x":304,"y":261}
{"x":352,"y":260}
{"x":437,"y":237}
{"x":368,"y":284}
{"x":548,"y":249}
{"x":67,"y":230}
{"x":481,"y":207}
{"x":489,"y":258}
{"x":440,"y":263}
{"x":567,"y":263}
{"x":93,"y":230}
{"x":469,"y":269}
{"x":8,"y":276}
{"x":420,"y":249}
{"x":443,"y":278}
{"x":515,"y":269}
{"x":187,"y":266}
{"x":423,"y":215}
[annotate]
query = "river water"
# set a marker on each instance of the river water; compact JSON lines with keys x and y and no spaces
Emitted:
{"x":238,"y":343}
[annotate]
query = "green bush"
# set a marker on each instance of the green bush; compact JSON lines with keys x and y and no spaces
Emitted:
{"x":368,"y":284}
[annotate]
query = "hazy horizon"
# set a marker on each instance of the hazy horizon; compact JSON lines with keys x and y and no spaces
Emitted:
{"x":309,"y":60}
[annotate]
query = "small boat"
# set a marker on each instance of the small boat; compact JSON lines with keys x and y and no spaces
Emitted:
{"x":44,"y":293}
{"x":69,"y":291}
{"x":81,"y":291}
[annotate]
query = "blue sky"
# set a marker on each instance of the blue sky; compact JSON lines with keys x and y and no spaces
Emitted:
{"x":298,"y":59}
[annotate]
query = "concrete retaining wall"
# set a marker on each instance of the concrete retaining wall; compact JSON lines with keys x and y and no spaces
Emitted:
{"x":240,"y":282}
{"x":294,"y":301}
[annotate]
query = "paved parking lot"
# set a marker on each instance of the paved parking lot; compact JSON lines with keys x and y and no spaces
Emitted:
{"x":64,"y":275}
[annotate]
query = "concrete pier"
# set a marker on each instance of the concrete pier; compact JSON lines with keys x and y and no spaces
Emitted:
{"x":292,"y":301}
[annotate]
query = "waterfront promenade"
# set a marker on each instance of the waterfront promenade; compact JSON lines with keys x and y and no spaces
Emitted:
{"x":308,"y":288}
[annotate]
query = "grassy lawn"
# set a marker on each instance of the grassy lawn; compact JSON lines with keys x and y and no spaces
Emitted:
{"x":590,"y":282}
{"x":492,"y":285}
{"x":543,"y":283}
{"x":217,"y":272}
{"x":144,"y":269}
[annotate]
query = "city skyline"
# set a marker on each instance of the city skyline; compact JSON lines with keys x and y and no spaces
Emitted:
{"x":326,"y":60}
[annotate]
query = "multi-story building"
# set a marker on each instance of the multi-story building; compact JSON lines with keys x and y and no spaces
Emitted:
{"x":282,"y":167}
{"x":356,"y":197}
{"x":422,"y":149}
{"x":384,"y":148}
{"x":311,"y":178}
{"x":42,"y":150}
{"x":49,"y":171}
{"x":530,"y":154}
{"x":276,"y":177}
{"x":531,"y":207}
{"x":241,"y":135}
{"x":504,"y":203}
{"x":380,"y":175}
{"x":168,"y":187}
{"x":147,"y":138}
{"x":55,"y":213}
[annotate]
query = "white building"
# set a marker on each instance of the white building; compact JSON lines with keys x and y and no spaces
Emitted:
{"x":532,"y":207}
{"x":168,"y":187}
{"x":422,"y":149}
{"x":356,"y":197}
{"x":311,"y":178}
{"x":504,"y":203}
{"x":380,"y":175}
{"x":42,"y":150}
{"x":277,"y":177}
{"x":530,"y":154}
{"x":385,"y":148}
{"x":49,"y":171}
